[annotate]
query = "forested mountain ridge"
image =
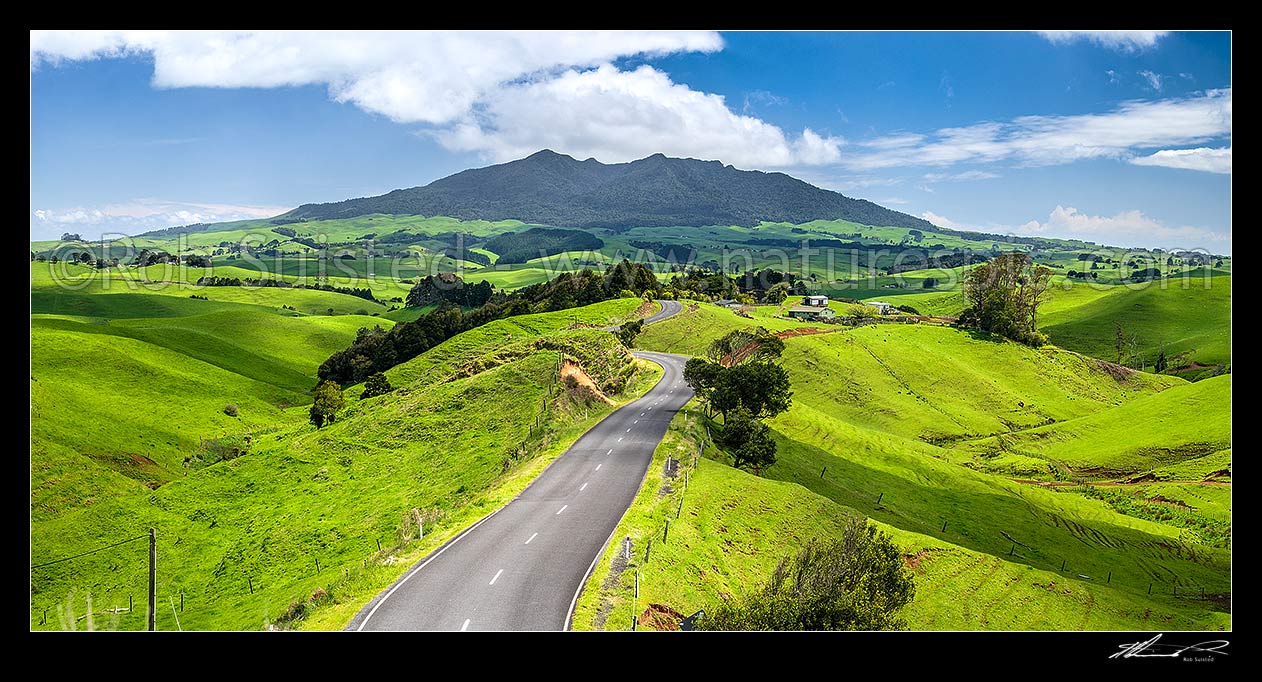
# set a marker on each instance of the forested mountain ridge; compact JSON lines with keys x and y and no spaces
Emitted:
{"x":554,"y":189}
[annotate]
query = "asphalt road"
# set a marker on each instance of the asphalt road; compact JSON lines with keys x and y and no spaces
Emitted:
{"x":521,"y":567}
{"x":669,"y":309}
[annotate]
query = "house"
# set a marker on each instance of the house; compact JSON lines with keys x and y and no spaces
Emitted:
{"x":882,"y":307}
{"x":727,"y":303}
{"x":811,"y":312}
{"x":817,"y":301}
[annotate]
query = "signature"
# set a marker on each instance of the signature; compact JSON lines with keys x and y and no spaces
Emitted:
{"x":1153,"y":649}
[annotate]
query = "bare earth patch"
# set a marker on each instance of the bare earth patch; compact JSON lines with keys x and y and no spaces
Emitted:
{"x":660,"y":617}
{"x":584,"y":386}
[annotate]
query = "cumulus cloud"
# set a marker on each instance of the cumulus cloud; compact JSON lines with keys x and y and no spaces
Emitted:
{"x":1207,"y":159}
{"x":615,"y":115}
{"x":943,"y":221}
{"x":1128,"y":228}
{"x":408,"y":76}
{"x":501,"y":94}
{"x":1122,"y":41}
{"x":1049,"y":140}
{"x":138,"y":216}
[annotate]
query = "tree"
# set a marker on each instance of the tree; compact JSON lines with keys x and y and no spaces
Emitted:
{"x":376,"y":384}
{"x":1004,"y":295}
{"x":71,"y":237}
{"x":748,"y":440}
{"x":328,"y":401}
{"x":628,"y":332}
{"x":760,"y":387}
{"x":778,"y":292}
{"x":862,"y":310}
{"x":703,"y":377}
{"x":744,"y":345}
{"x":856,"y":582}
{"x":928,"y":283}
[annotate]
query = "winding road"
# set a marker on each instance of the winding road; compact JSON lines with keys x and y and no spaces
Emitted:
{"x":521,"y":567}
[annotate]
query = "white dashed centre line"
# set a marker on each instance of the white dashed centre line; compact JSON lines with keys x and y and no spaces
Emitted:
{"x":610,"y":451}
{"x":562,"y":508}
{"x":532,"y":537}
{"x":619,"y":439}
{"x":598,"y":466}
{"x":465,"y":626}
{"x":583,"y":487}
{"x":497,"y":576}
{"x":628,"y":430}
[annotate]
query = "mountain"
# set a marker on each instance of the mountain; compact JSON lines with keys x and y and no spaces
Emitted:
{"x":555,"y":189}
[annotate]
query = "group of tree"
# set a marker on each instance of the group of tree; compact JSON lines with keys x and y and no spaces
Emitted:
{"x":537,"y":242}
{"x":446,"y":287}
{"x":1004,"y":295}
{"x":1082,"y":275}
{"x":217,"y":281}
{"x":858,"y":581}
{"x":740,"y":379}
{"x":377,"y":350}
{"x":921,"y":258}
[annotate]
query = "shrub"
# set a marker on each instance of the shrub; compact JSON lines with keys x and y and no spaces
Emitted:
{"x":856,"y":582}
{"x":230,"y":409}
{"x":376,"y":384}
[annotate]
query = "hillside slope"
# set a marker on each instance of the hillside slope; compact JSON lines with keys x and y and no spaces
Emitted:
{"x":240,"y":539}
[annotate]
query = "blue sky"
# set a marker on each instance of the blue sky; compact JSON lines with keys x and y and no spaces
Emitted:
{"x":1120,"y":138}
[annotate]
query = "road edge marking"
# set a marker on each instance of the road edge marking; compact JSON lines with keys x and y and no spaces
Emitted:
{"x":416,"y":570}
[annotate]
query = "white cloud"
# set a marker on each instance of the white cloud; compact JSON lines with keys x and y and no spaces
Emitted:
{"x":501,"y":94}
{"x":959,"y":177}
{"x":1207,"y":159}
{"x":845,"y":183}
{"x":943,"y":221}
{"x":409,"y":76}
{"x":1122,"y":41}
{"x":892,"y":201}
{"x":1128,"y":228}
{"x":1112,"y":76}
{"x":1154,"y":79}
{"x":1049,"y":140}
{"x":138,"y":216}
{"x":762,"y":97}
{"x":616,"y":115}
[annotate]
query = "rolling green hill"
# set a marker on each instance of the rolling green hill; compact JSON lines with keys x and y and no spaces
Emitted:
{"x":733,"y":527}
{"x":880,"y":418}
{"x":239,"y":539}
{"x":1186,"y":422}
{"x":1195,"y":320}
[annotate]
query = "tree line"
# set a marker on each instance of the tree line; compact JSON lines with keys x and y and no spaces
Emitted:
{"x":216,"y":281}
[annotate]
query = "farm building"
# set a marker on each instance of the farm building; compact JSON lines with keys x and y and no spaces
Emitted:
{"x":882,"y":306}
{"x":811,"y":312}
{"x":817,"y":301}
